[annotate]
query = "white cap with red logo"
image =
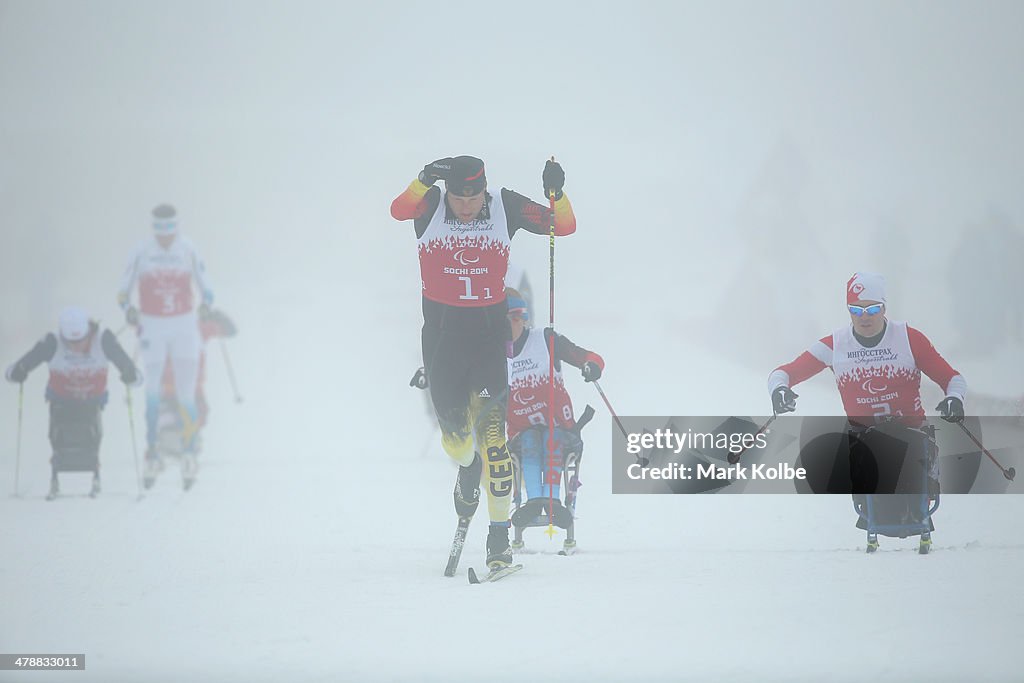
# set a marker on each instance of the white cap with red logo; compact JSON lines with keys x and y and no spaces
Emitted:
{"x":865,"y":286}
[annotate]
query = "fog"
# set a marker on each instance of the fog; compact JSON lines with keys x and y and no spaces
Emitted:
{"x":792,"y":142}
{"x":730,"y":165}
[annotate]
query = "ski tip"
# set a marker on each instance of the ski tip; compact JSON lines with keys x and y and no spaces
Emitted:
{"x":494,"y":574}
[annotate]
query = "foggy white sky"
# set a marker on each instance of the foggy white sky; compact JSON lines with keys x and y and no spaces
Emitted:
{"x":730,"y":165}
{"x":281,"y":131}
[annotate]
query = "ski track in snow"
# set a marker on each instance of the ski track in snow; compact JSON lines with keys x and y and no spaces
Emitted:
{"x":317,"y":564}
{"x":312,"y":548}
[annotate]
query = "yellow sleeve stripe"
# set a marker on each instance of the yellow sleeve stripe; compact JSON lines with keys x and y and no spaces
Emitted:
{"x":418,"y":189}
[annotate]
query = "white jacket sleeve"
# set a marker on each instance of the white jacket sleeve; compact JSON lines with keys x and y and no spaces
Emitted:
{"x":131,"y":274}
{"x":199,"y":272}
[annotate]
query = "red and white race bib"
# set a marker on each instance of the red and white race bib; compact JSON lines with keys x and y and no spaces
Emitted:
{"x":464,"y":264}
{"x":880,"y":381}
{"x":530,"y":388}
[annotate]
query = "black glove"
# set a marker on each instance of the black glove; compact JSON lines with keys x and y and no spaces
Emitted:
{"x":16,"y":373}
{"x":436,"y":170}
{"x":554,"y":179}
{"x":783,"y":400}
{"x":130,"y":376}
{"x":226,"y":325}
{"x":419,"y":380}
{"x":951,"y":408}
{"x":131,"y":316}
{"x":591,"y":371}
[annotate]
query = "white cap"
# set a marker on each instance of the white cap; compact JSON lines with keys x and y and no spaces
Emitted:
{"x":74,"y":323}
{"x":865,"y":286}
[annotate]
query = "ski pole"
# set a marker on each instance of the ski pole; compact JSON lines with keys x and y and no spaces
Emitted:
{"x":135,"y":449}
{"x":641,"y":460}
{"x":610,"y":409}
{"x":551,"y":260}
{"x":231,"y":373}
{"x":551,"y":365}
{"x":1008,"y":473}
{"x":17,"y":452}
{"x":734,"y":458}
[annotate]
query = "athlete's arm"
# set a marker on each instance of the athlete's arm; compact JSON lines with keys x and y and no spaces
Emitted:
{"x":199,"y":273}
{"x":42,"y":352}
{"x":803,"y":367}
{"x":115,"y":353}
{"x":418,"y":202}
{"x":572,"y":354}
{"x":131,"y":273}
{"x":935,"y":366}
{"x":526,"y":214}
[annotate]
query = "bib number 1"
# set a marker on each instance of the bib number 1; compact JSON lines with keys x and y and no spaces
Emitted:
{"x":469,"y":295}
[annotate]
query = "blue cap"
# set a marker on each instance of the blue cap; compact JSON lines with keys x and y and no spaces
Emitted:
{"x":517,"y":304}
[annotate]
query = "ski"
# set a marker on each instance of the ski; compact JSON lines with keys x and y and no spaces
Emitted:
{"x":457,"y":543}
{"x":189,"y":469}
{"x":494,"y":574}
{"x":152,"y":467}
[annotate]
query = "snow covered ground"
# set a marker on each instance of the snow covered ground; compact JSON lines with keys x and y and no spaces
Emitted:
{"x":730,"y":167}
{"x":324,"y":563}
